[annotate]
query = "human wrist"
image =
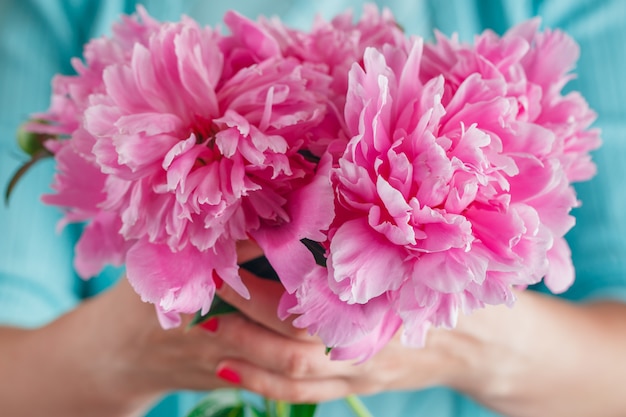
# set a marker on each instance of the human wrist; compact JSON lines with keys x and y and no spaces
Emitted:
{"x":477,"y":363}
{"x":459,"y":357}
{"x":498,"y":350}
{"x":87,"y":350}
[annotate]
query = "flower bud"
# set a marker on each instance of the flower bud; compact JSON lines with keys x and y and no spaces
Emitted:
{"x":31,"y":142}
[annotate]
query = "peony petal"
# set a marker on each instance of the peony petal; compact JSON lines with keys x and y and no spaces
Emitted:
{"x":310,"y":209}
{"x":179,"y":282}
{"x":100,"y":245}
{"x":371,"y":344}
{"x":450,"y":271}
{"x":364,"y":263}
{"x":561,"y":274}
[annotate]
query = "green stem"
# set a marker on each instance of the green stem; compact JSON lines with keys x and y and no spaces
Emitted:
{"x":358,"y":408}
{"x":282,"y":409}
{"x":277,"y":408}
{"x":269,"y":407}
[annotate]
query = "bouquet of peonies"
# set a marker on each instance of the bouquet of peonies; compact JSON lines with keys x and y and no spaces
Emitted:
{"x":390,"y":182}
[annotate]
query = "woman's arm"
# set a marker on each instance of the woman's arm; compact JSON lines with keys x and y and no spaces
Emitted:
{"x":71,"y":366}
{"x":544,"y":357}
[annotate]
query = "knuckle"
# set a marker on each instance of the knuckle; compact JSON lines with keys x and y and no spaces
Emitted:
{"x":297,"y":365}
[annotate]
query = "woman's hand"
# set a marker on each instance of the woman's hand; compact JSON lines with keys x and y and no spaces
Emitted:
{"x":110,"y":357}
{"x":299,"y":370}
{"x":543,"y":357}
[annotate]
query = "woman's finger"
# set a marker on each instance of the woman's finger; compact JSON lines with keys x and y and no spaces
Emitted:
{"x":262,"y":307}
{"x":278,"y":386}
{"x":249,"y":341}
{"x":247,"y":250}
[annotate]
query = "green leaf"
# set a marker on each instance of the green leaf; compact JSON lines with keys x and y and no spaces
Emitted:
{"x":235,"y":411}
{"x":261,"y":267}
{"x":317,"y":250}
{"x":303,"y":410}
{"x":218,"y":307}
{"x":309,"y":156}
{"x":216,"y":402}
{"x":255,"y":412}
{"x":225,"y":403}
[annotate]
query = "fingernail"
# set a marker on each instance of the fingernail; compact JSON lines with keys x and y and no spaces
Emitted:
{"x":217,"y":280}
{"x":210,"y":325}
{"x":228,"y":375}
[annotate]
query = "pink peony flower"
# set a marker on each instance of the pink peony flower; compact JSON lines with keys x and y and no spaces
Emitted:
{"x":338,"y":43}
{"x":189,"y":148}
{"x":334,"y":46}
{"x":454,"y":188}
{"x":535,"y":66}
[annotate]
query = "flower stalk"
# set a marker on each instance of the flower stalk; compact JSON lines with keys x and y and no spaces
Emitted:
{"x":356,"y":405}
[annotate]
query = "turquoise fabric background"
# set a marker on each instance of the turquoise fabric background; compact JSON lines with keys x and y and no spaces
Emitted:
{"x":38,"y":38}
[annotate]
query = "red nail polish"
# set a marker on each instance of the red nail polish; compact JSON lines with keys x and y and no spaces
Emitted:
{"x":228,"y":375}
{"x":210,"y":325}
{"x":217,"y":280}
